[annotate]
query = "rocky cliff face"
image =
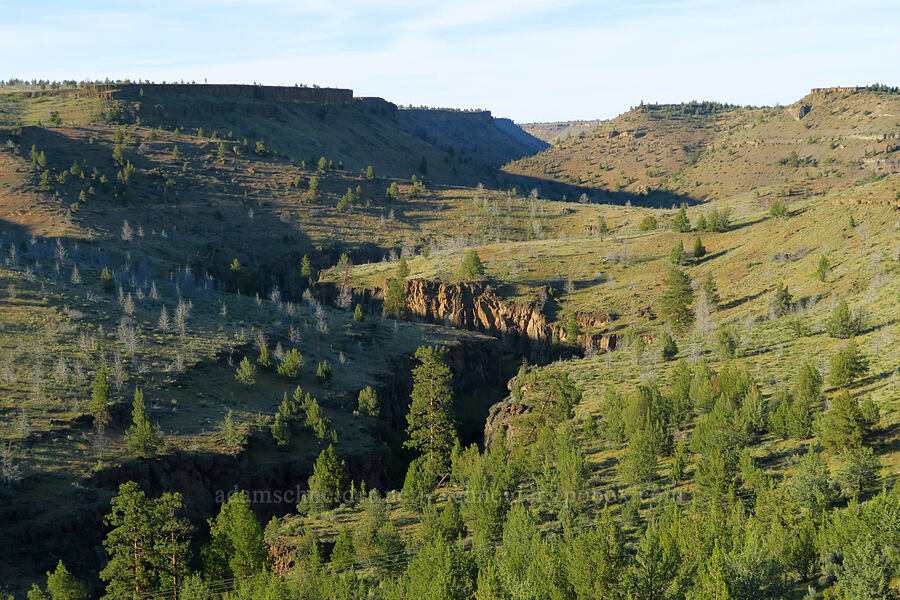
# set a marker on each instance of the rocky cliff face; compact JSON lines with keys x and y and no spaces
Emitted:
{"x":474,"y":306}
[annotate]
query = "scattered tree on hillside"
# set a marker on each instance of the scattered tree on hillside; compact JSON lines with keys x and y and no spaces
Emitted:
{"x":246,"y":372}
{"x":100,"y":399}
{"x":471,"y":266}
{"x":842,"y":324}
{"x":676,"y":301}
{"x":847,"y":364}
{"x":142,"y":438}
{"x":681,"y":223}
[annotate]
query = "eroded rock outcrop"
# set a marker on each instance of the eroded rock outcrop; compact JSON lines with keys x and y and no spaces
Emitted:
{"x":476,"y":307}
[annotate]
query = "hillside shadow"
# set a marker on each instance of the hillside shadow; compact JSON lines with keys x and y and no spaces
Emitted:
{"x":743,"y":299}
{"x":557,"y":190}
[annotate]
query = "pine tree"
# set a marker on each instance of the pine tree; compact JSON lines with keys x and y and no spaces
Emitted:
{"x":344,"y":554}
{"x":667,"y":346}
{"x":291,"y":364}
{"x":328,"y":481}
{"x":370,"y":173}
{"x":677,"y":299}
{"x":236,"y":546}
{"x":99,"y":405}
{"x":265,"y":358}
{"x":402,"y":269}
{"x":368,"y":401}
{"x":847,"y":364}
{"x":246,"y":372}
{"x":841,"y":323}
{"x":782,"y":300}
{"x":726,"y":342}
{"x":598,"y":561}
{"x":822,"y":268}
{"x":358,"y":315}
{"x":306,"y":267}
{"x":323,"y":371}
{"x":62,"y":585}
{"x":709,"y":288}
{"x":681,"y":223}
{"x":232,"y":437}
{"x":430,"y":424}
{"x":471,"y":267}
{"x":281,"y":431}
{"x":677,"y":255}
{"x":844,"y":426}
{"x":173,"y":543}
{"x":130,"y":544}
{"x":699,"y":250}
{"x":858,"y":472}
{"x":142,"y":439}
{"x":395,"y":302}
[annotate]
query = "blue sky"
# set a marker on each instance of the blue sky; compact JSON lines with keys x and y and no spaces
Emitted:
{"x":531,"y":60}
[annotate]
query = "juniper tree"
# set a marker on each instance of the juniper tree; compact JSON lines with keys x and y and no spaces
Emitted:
{"x":429,"y":421}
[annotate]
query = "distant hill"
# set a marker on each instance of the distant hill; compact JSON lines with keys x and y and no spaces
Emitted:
{"x":827,"y":140}
{"x":553,"y":132}
{"x":303,"y":124}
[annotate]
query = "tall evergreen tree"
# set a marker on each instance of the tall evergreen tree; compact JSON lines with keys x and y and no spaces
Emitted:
{"x":326,"y":484}
{"x":844,"y":425}
{"x":847,"y":364}
{"x":430,"y":422}
{"x":142,"y":438}
{"x":471,"y":266}
{"x":131,"y":570}
{"x":62,"y":585}
{"x":677,"y":299}
{"x":100,"y":399}
{"x":681,"y":223}
{"x":173,"y":544}
{"x":236,"y":545}
{"x":841,"y":323}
